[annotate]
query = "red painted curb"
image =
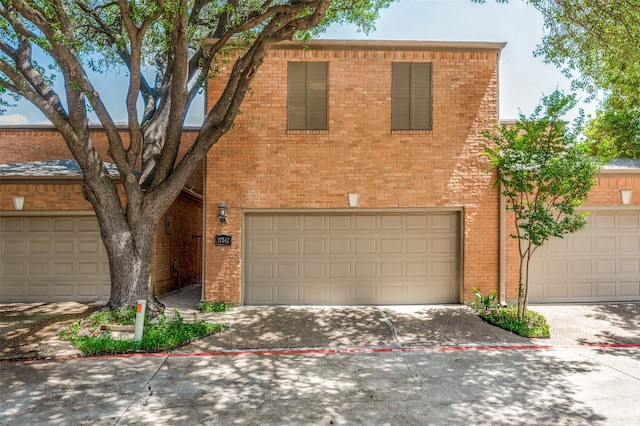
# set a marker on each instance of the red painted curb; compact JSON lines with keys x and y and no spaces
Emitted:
{"x":329,"y":351}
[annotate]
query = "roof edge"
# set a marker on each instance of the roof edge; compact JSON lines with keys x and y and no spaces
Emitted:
{"x":384,"y":45}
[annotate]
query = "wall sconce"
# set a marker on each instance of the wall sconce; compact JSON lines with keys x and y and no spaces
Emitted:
{"x":626,"y":196}
{"x":354,"y":199}
{"x":222,"y":212}
{"x":18,"y":202}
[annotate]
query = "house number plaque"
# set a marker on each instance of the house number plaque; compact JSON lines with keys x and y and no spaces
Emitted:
{"x":223,"y":239}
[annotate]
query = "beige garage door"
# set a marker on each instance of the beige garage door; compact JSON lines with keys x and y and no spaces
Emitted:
{"x":351,"y":259}
{"x":48,"y":259}
{"x":600,"y":263}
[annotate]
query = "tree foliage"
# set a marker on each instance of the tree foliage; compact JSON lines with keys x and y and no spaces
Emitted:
{"x":597,"y":43}
{"x":545,"y":172}
{"x":167,"y":36}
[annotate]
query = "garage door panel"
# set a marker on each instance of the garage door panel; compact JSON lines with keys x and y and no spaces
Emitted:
{"x":364,"y":222}
{"x":38,"y":224}
{"x":339,"y":269}
{"x":365,"y":269}
{"x":345,"y":258}
{"x":339,"y":294}
{"x":339,"y":245}
{"x":416,"y":222}
{"x":287,"y":294}
{"x":390,"y":222}
{"x":416,"y":245}
{"x":630,"y":243}
{"x":288,"y":271}
{"x":314,"y":245}
{"x":313,"y":294}
{"x":53,"y":259}
{"x":37,"y":247}
{"x":64,"y":225}
{"x":630,"y":266}
{"x":13,"y":225}
{"x":314,"y":270}
{"x":391,"y":269}
{"x":260,"y":271}
{"x":365,"y":294}
{"x":365,"y":245}
{"x":629,"y":221}
{"x":339,"y":222}
{"x":582,"y":290}
{"x":38,"y":268}
{"x":581,"y":267}
{"x":261,"y":294}
{"x":288,"y":223}
{"x":630,"y":289}
{"x":602,"y":262}
{"x":288,"y":246}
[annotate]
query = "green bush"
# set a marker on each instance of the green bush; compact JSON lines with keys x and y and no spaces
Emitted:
{"x":206,"y":307}
{"x":161,"y":334}
{"x":506,"y":317}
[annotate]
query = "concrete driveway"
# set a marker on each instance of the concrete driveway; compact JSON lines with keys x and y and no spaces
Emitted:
{"x":29,"y":331}
{"x":414,"y":365}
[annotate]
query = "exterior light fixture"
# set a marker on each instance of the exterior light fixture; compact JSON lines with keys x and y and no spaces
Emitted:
{"x":354,"y":199}
{"x":18,"y":202}
{"x":222,"y":212}
{"x":626,"y":196}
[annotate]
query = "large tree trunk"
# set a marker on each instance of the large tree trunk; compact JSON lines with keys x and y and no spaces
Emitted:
{"x":130,"y":268}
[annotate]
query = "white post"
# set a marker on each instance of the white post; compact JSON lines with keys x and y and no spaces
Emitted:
{"x":137,"y":333}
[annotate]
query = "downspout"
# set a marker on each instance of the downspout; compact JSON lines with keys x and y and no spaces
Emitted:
{"x":204,"y":226}
{"x":502,"y":227}
{"x":501,"y":239}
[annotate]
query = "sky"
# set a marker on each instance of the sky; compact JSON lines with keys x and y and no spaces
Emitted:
{"x":523,"y":78}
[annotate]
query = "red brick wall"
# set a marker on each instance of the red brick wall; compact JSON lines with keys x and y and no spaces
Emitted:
{"x":260,"y":164}
{"x":180,"y":242}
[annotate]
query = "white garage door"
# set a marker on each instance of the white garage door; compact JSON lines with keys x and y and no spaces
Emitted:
{"x":600,"y":263}
{"x":47,"y":259}
{"x":351,"y":259}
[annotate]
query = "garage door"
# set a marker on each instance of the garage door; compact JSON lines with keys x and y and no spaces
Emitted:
{"x":48,"y":259}
{"x":600,"y":263}
{"x":351,"y":259}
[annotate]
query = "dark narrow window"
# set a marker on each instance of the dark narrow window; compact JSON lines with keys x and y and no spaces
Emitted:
{"x":411,"y":96}
{"x":307,"y":96}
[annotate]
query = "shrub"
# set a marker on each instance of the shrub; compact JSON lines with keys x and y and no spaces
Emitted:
{"x":506,"y":317}
{"x":161,"y":334}
{"x":206,"y":307}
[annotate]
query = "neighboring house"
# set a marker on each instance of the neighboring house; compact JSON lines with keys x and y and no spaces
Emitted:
{"x":600,"y":263}
{"x":355,"y":174}
{"x":51,"y":250}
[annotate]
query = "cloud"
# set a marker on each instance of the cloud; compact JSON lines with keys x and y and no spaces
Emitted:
{"x":13,"y":119}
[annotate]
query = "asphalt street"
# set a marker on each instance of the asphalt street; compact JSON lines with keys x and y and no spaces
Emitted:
{"x":570,"y":385}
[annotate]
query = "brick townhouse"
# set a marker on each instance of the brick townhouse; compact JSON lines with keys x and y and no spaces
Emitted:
{"x":355,"y":175}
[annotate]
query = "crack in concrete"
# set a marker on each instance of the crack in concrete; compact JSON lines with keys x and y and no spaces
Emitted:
{"x":147,"y":385}
{"x":394,"y":330}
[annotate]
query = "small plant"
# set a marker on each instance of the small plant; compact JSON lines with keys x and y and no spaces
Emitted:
{"x":161,"y":334}
{"x":207,"y":307}
{"x":485,"y":304}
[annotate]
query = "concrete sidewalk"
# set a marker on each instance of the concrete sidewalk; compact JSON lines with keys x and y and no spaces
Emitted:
{"x":482,"y":386}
